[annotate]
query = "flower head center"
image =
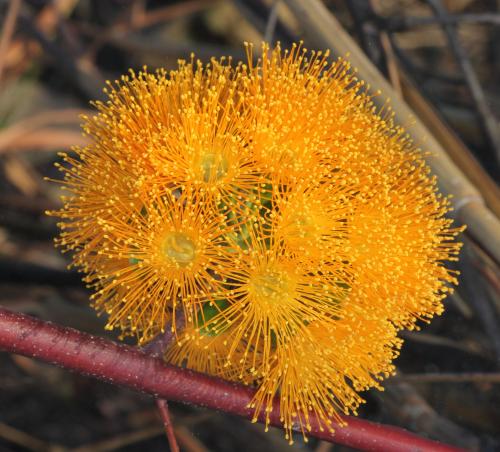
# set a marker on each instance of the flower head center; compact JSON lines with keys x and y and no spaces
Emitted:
{"x":301,"y":225}
{"x":270,"y":286}
{"x":308,"y":225}
{"x":213,"y":167}
{"x":179,"y":248}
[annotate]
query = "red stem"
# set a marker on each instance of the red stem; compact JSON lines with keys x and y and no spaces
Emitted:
{"x":167,"y":423}
{"x":156,"y":349}
{"x":132,"y":368}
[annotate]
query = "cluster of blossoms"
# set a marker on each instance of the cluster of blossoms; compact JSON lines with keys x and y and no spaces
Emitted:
{"x":269,"y":215}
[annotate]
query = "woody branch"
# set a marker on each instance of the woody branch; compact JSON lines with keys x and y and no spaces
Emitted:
{"x":132,"y":368}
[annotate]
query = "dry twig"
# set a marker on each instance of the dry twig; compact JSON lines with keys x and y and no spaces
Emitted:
{"x":449,"y":377}
{"x":8,"y":27}
{"x":490,"y":124}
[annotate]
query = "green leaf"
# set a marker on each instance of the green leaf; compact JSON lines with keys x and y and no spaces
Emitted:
{"x":208,"y":312}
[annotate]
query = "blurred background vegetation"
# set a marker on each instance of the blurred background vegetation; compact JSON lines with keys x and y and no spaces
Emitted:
{"x":442,"y":56}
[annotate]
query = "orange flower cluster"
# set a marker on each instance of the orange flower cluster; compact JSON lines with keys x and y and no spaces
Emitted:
{"x":295,"y":228}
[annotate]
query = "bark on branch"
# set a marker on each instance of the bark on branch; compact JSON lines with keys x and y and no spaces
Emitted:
{"x":127,"y":366}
